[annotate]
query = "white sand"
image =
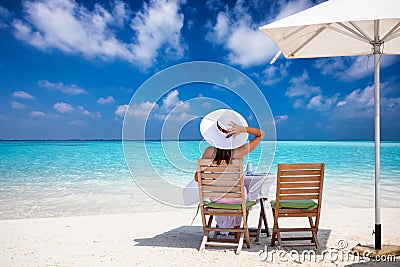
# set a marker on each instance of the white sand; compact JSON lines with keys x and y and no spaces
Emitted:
{"x":165,"y":239}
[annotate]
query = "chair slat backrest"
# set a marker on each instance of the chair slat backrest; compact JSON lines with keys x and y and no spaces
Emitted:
{"x":216,"y":182}
{"x":300,"y":181}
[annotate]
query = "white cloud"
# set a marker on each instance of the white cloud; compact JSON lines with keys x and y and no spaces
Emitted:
{"x":83,"y":110}
{"x":141,"y":110}
{"x":63,"y":107}
{"x":299,"y":87}
{"x":37,"y":114}
{"x":247,"y":45}
{"x":321,"y":103}
{"x":329,"y":66}
{"x":184,"y":116}
{"x":233,"y":83}
{"x":107,"y":100}
{"x":351,"y":68}
{"x":74,"y":29}
{"x":239,"y":34}
{"x":290,"y":7}
{"x":298,"y":103}
{"x":207,"y":105}
{"x":214,"y":4}
{"x":274,"y":74}
{"x":17,"y":105}
{"x":70,"y":27}
{"x":174,"y":109}
{"x":70,"y":89}
{"x":221,"y":28}
{"x":280,"y":118}
{"x":359,"y":104}
{"x":121,"y":110}
{"x":172,"y":100}
{"x":157,"y":25}
{"x":390,"y":108}
{"x":171,"y":107}
{"x":40,"y":114}
{"x":362,"y":98}
{"x":22,"y":94}
{"x":121,"y":13}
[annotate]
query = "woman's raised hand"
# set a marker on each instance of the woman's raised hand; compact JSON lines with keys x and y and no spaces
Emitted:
{"x":236,"y":129}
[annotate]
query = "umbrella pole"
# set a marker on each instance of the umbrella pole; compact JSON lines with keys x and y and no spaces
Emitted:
{"x":368,"y":250}
{"x":377,"y":55}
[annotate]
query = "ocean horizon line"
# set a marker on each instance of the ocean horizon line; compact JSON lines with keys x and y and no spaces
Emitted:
{"x":158,"y":140}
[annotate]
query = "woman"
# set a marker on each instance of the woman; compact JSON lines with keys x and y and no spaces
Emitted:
{"x":227,"y":132}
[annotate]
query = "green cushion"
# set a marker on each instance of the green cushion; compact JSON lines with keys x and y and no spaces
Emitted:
{"x":228,"y":206}
{"x":306,"y":204}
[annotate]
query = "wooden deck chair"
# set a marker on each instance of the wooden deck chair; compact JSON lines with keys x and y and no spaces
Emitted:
{"x":222,"y":182}
{"x":298,"y":194}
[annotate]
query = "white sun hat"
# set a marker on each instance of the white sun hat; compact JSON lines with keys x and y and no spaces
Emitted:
{"x":214,"y":129}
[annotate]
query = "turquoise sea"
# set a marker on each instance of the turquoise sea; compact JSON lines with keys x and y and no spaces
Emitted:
{"x":68,"y":178}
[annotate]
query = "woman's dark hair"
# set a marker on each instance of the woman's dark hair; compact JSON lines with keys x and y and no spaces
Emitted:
{"x":222,"y":155}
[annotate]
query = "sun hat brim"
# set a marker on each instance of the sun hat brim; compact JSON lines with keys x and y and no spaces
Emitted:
{"x":216,"y":138}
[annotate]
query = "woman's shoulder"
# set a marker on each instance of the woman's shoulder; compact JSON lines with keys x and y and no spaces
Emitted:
{"x":241,"y":151}
{"x":209,"y":152}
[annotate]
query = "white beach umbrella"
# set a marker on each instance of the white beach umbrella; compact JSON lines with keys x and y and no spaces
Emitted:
{"x":344,"y":28}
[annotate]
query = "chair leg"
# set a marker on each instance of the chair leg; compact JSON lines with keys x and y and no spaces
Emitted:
{"x":314,"y":232}
{"x":203,"y":243}
{"x":210,"y":220}
{"x":312,"y":227}
{"x":206,"y":233}
{"x":215,"y":233}
{"x":240,"y":245}
{"x":316,"y":239}
{"x":247,"y":236}
{"x":275,"y":230}
{"x":259,"y":229}
{"x":237,"y":234}
{"x":264,"y":216}
{"x":273,"y":238}
{"x":246,"y":228}
{"x":277,"y":233}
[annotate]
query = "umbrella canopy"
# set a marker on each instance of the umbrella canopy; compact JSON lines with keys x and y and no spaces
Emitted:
{"x":338,"y":28}
{"x":344,"y":28}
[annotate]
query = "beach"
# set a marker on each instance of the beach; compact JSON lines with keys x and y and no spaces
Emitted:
{"x":74,"y":203}
{"x":169,"y":239}
{"x":106,"y":108}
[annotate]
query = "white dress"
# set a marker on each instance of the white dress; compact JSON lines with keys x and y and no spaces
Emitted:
{"x":229,"y":221}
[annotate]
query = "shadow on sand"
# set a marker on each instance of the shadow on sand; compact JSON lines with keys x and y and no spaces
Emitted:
{"x":191,"y":236}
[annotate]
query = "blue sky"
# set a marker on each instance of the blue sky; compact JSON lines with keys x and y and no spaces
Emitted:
{"x":68,"y":69}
